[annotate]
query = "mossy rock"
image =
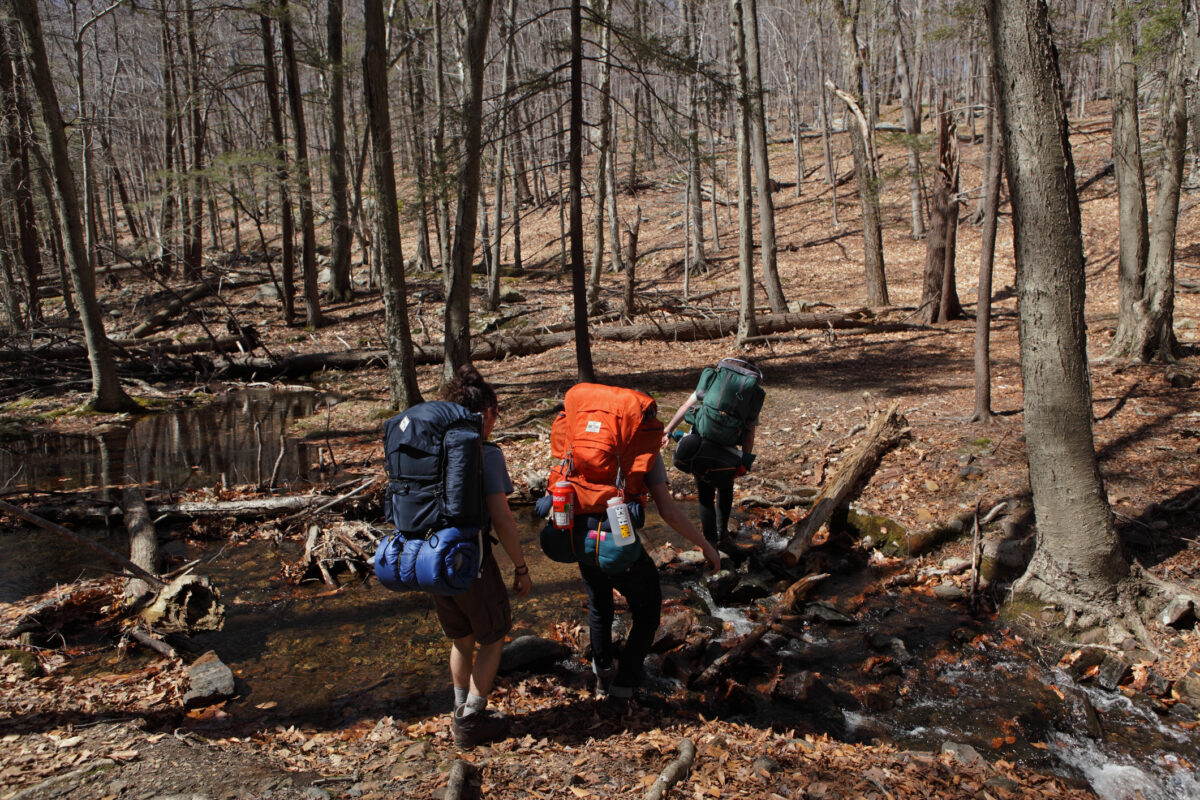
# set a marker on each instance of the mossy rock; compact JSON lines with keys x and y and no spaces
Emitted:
{"x":885,"y":534}
{"x":26,"y":660}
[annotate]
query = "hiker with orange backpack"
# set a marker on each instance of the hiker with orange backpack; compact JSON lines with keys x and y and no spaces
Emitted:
{"x":606,"y":444}
{"x":723,"y":413}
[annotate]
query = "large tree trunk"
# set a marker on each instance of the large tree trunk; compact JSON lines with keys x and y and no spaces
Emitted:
{"x":287,"y":229}
{"x":193,"y":236}
{"x":1130,"y":176}
{"x":107,"y":394}
{"x":861,"y":139}
{"x":758,"y":149}
{"x":15,"y":112}
{"x":1154,"y":326}
{"x":604,"y":153}
{"x":1078,"y":558}
{"x":939,"y":298}
{"x":402,"y":374}
{"x":695,"y":199}
{"x":458,"y":296}
{"x":583,"y":347}
{"x":747,"y":325}
{"x":339,"y":258}
{"x":308,"y":233}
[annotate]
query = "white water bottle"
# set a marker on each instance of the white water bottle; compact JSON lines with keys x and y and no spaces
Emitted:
{"x":619,"y":522}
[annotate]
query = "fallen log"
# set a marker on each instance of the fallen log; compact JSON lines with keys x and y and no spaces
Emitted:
{"x":674,"y":772}
{"x":505,"y":343}
{"x":114,"y":557}
{"x":787,"y":605}
{"x":888,"y":428}
{"x":258,"y":507}
{"x":160,"y":318}
{"x":131,"y":348}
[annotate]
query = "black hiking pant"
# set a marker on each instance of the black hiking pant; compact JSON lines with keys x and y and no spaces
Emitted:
{"x":715,"y":494}
{"x":640,"y":588}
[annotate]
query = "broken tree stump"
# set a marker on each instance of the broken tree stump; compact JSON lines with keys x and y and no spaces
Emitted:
{"x":343,"y":546}
{"x":888,"y":428}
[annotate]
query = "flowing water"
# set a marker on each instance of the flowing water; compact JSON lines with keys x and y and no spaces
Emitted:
{"x":313,"y":655}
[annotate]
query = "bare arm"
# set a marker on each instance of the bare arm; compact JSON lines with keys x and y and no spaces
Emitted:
{"x":748,"y":439}
{"x":675,"y":420}
{"x":510,"y":539}
{"x":673,"y":515}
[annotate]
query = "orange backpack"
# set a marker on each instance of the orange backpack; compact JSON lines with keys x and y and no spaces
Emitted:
{"x":605,"y":440}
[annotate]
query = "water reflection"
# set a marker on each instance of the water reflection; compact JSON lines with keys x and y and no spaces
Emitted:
{"x":237,"y":438}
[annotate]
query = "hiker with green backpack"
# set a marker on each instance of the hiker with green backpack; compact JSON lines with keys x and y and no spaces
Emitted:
{"x":723,"y":413}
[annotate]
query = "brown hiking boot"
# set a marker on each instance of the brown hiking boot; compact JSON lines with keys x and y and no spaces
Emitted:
{"x":478,"y":727}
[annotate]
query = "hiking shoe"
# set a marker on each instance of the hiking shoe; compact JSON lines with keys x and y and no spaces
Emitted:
{"x":604,"y":679}
{"x":618,"y":702}
{"x":477,"y":727}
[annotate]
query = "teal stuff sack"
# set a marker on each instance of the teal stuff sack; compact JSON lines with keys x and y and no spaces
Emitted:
{"x":590,"y":541}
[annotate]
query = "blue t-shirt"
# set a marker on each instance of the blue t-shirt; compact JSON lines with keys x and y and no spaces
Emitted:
{"x":495,"y":471}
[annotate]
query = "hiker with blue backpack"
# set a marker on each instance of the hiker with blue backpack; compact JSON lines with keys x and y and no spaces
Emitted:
{"x":447,"y":493}
{"x":723,"y":413}
{"x":606,"y":443}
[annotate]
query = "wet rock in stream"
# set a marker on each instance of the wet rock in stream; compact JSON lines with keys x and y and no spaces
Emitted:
{"x":531,"y":653}
{"x":211,"y":681}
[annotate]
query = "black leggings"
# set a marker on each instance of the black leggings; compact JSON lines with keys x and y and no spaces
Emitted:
{"x":714,"y":517}
{"x":640,"y":588}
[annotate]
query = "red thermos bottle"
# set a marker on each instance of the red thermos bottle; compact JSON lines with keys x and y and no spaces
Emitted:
{"x":563,"y":505}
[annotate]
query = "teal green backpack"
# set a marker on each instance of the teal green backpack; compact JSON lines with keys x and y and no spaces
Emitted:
{"x":730,"y":397}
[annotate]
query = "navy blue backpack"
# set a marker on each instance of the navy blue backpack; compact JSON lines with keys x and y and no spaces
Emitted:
{"x":433,"y":453}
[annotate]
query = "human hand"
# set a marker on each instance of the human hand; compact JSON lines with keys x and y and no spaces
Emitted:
{"x":666,"y":440}
{"x":711,"y":555}
{"x":522,"y":583}
{"x":740,"y":471}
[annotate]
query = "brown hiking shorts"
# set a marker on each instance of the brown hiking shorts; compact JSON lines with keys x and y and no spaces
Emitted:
{"x":482,"y":611}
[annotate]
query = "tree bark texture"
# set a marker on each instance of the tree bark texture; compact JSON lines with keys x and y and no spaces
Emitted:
{"x":286,"y":222}
{"x":747,"y":325}
{"x":339,"y":223}
{"x":308,"y":234}
{"x":402,"y":375}
{"x":583,"y":348}
{"x":458,"y":297}
{"x":864,"y":158}
{"x":987,"y":255}
{"x":107,"y":394}
{"x":1078,"y":554}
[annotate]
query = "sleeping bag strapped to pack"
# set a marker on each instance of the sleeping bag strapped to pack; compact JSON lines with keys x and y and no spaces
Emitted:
{"x":434,"y":458}
{"x":605,"y":441}
{"x":730,"y":398}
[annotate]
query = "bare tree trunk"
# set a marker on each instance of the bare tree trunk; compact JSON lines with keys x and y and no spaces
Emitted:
{"x":16,"y":113}
{"x":507,"y":35}
{"x":604,"y":128}
{"x":747,"y":322}
{"x":1078,"y":558}
{"x":287,"y":223}
{"x":987,"y":253}
{"x":402,"y":374}
{"x":458,"y":297}
{"x":864,"y":153}
{"x":107,"y":394}
{"x":441,"y":170}
{"x":339,"y":234}
{"x":762,"y":167}
{"x":1130,"y":176}
{"x":308,"y":234}
{"x":912,"y":125}
{"x":193,"y":247}
{"x":583,"y":346}
{"x":631,"y":255}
